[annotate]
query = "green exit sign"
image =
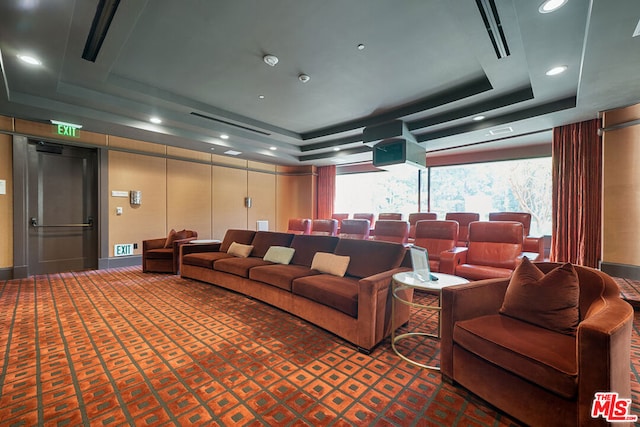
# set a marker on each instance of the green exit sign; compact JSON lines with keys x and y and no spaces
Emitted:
{"x":123,"y":250}
{"x":66,"y":130}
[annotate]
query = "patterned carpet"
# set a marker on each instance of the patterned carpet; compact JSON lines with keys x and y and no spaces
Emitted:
{"x":119,"y":347}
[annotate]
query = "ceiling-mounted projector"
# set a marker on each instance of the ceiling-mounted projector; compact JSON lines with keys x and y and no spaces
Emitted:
{"x":393,"y":146}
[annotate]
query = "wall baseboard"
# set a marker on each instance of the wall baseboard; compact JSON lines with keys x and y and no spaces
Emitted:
{"x":621,"y":270}
{"x":6,"y":273}
{"x":126,"y":261}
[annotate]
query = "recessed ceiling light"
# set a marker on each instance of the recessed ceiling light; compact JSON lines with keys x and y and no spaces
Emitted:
{"x":304,"y":78}
{"x":260,"y":96}
{"x":336,"y":148}
{"x":360,"y":46}
{"x":155,"y":120}
{"x":270,"y":60}
{"x":478,"y":118}
{"x":28,"y":59}
{"x":273,"y":148}
{"x":233,"y":152}
{"x":224,"y":136}
{"x":556,"y":70}
{"x":551,"y":6}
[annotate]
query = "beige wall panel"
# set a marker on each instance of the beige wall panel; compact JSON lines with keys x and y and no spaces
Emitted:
{"x":228,"y":160}
{"x":6,"y":202}
{"x":262,"y":190}
{"x":189,"y":197}
{"x":127,"y":172}
{"x":6,"y":123}
{"x":261,"y":166}
{"x":49,"y":131}
{"x":188,"y":154}
{"x":621,"y":196}
{"x":135,"y":145}
{"x":621,"y":115}
{"x":295,"y":198}
{"x":229,"y":191}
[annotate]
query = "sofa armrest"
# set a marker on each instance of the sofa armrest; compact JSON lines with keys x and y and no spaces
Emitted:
{"x":450,"y":259}
{"x":534,"y":244}
{"x":153,"y":244}
{"x":604,"y":349}
{"x":204,"y":247}
{"x":466,"y":301}
{"x":374,"y":307}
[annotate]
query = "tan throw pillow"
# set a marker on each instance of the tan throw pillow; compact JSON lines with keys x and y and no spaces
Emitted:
{"x":547,"y":300}
{"x":279,"y":254}
{"x":330,"y":263}
{"x":240,"y":250}
{"x":170,"y":238}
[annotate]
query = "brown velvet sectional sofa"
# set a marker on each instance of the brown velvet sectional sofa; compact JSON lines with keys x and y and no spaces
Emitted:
{"x":356,"y":306}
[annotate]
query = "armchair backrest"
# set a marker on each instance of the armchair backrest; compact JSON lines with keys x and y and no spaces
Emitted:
{"x":436,"y":236}
{"x":523,"y":217}
{"x":299,"y":226}
{"x":419,"y":216}
{"x":340,"y":217}
{"x":464,"y":219}
{"x":495,"y":243}
{"x":324,"y":227}
{"x":390,"y":230}
{"x":355,"y":229}
{"x":390,"y":215}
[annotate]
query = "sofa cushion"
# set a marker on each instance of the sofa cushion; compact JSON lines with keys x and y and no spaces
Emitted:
{"x":240,"y":250}
{"x":244,"y":237}
{"x":239,"y":266}
{"x":281,"y":276}
{"x":161,"y":253}
{"x":330,"y":263}
{"x":369,"y":257}
{"x":279,"y":254}
{"x":340,"y":293}
{"x":263,"y":240}
{"x":204,"y":259}
{"x":547,"y":300}
{"x":536,"y":354}
{"x":306,"y":247}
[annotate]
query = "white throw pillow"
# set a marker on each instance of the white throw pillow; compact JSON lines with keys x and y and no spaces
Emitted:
{"x":279,"y":254}
{"x":331,"y":264}
{"x":239,"y":250}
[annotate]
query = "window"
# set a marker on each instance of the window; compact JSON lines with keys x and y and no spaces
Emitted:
{"x":515,"y":185}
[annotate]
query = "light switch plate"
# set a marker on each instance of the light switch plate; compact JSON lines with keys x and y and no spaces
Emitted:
{"x":3,"y":186}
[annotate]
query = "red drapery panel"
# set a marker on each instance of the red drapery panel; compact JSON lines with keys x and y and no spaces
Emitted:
{"x":326,"y":191}
{"x":577,"y":193}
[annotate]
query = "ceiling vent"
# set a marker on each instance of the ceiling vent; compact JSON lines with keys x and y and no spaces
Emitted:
{"x":394,"y":146}
{"x":493,"y":26}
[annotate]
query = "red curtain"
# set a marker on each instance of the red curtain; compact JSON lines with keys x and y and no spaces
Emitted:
{"x":326,"y":191}
{"x":577,"y":193}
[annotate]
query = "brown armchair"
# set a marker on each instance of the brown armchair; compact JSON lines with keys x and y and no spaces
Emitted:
{"x":464,"y":219}
{"x":162,"y":255}
{"x":355,"y":229}
{"x":299,"y":226}
{"x":494,"y":250}
{"x":390,"y":215}
{"x":419,"y":216}
{"x":539,"y":376}
{"x":532,"y":244}
{"x":324,"y":227}
{"x":390,"y":230}
{"x":436,"y":237}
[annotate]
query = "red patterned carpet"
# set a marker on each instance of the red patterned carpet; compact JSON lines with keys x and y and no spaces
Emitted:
{"x":119,"y":347}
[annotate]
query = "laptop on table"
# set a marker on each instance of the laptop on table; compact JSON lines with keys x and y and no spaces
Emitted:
{"x":420,"y":262}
